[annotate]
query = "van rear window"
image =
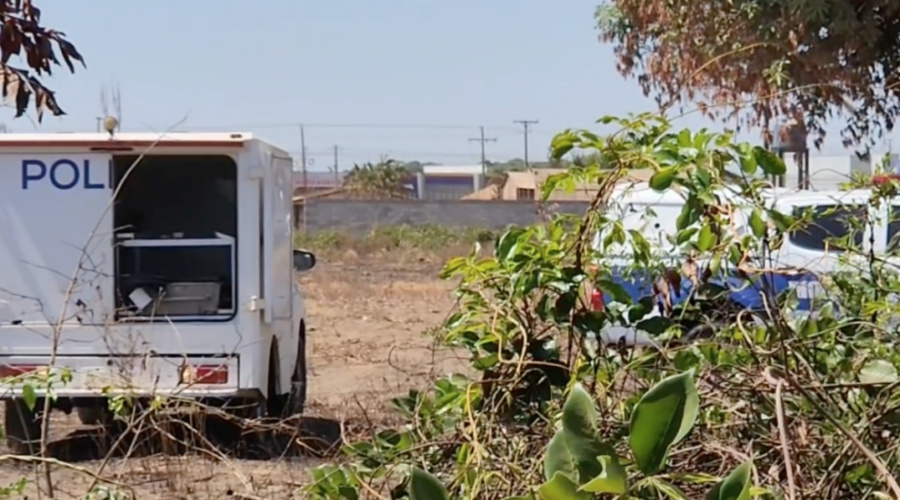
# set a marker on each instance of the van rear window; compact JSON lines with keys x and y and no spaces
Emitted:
{"x":830,"y":227}
{"x":893,"y":229}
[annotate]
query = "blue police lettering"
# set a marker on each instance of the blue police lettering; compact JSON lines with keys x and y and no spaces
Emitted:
{"x":63,"y":174}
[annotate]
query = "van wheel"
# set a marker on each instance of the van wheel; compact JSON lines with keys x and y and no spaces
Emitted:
{"x":22,"y":427}
{"x":94,"y":415}
{"x":292,"y":402}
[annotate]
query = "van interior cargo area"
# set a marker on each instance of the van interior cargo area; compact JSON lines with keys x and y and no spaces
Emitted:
{"x":175,"y":220}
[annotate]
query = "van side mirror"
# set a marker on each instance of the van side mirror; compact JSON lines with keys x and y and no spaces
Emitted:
{"x":303,"y":260}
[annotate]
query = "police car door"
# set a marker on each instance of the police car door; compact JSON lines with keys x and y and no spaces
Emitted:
{"x":838,"y":236}
{"x":56,"y":261}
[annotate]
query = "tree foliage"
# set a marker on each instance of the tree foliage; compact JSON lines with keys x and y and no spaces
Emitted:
{"x":756,"y":60}
{"x":385,"y":179}
{"x":40,"y":49}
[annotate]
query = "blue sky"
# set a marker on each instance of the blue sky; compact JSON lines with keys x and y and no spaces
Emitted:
{"x":268,"y":65}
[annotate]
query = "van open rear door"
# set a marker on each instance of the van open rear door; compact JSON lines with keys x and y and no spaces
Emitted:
{"x":277,"y":247}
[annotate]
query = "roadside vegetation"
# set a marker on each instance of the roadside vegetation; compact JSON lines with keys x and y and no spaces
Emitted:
{"x":770,"y":406}
{"x":404,"y":240}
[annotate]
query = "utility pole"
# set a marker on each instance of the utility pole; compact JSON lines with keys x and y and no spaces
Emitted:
{"x":99,"y":120}
{"x":337,"y":175}
{"x":526,"y":124}
{"x":303,"y":158}
{"x":482,"y":139}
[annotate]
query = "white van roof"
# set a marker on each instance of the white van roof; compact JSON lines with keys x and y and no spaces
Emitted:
{"x":124,"y":140}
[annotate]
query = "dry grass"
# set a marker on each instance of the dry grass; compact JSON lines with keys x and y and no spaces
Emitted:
{"x":369,"y":305}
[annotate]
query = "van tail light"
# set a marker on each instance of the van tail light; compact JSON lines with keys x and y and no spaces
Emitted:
{"x":203,"y":374}
{"x":13,"y":371}
{"x":597,"y":303}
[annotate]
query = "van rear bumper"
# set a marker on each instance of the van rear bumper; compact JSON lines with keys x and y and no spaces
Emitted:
{"x":94,"y":376}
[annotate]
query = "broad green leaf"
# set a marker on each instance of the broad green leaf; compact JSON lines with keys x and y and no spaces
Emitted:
{"x":748,"y":164}
{"x":424,"y":486}
{"x":558,"y":458}
{"x":508,"y":243}
{"x":687,"y":217}
{"x":613,"y":479}
{"x":705,"y":238}
{"x":575,"y":447}
{"x":654,"y":325}
{"x":579,"y":416}
{"x":561,"y":487}
{"x":29,"y":396}
{"x":614,"y":290}
{"x":685,"y":235}
{"x":757,"y":224}
{"x":768,"y":161}
{"x":782,"y":221}
{"x":664,"y":416}
{"x":878,"y":371}
{"x":561,"y":144}
{"x":735,"y":486}
{"x":662,"y":179}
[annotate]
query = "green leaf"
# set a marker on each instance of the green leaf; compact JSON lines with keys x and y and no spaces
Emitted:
{"x":757,"y":224}
{"x":782,"y":221}
{"x":664,"y":416}
{"x":613,"y":479}
{"x":662,"y":179}
{"x":705,"y":238}
{"x":654,"y":325}
{"x":748,"y":164}
{"x":878,"y":371}
{"x":560,"y":145}
{"x":684,"y":236}
{"x":768,"y":161}
{"x":29,"y":396}
{"x":614,"y":290}
{"x":735,"y":486}
{"x":509,"y":243}
{"x":687,"y":217}
{"x":424,"y":486}
{"x":560,"y":487}
{"x":579,"y":416}
{"x":575,"y":448}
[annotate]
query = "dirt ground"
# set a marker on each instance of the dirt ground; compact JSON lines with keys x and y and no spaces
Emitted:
{"x":369,"y":320}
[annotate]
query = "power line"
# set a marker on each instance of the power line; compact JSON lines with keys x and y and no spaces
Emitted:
{"x":482,"y":139}
{"x":525,"y":125}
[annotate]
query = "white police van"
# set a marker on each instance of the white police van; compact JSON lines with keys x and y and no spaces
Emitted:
{"x":145,"y":265}
{"x":801,"y":260}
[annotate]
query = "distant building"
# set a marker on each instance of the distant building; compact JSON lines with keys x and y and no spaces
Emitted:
{"x":526,"y":186}
{"x":448,"y":182}
{"x":313,"y":182}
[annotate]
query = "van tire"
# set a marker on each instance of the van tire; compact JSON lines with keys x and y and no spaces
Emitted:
{"x":94,"y":415}
{"x":290,"y":403}
{"x":22,"y":427}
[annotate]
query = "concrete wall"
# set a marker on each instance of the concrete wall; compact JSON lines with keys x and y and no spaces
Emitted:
{"x":363,"y":215}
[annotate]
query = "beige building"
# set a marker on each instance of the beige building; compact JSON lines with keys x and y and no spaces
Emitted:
{"x":526,"y":185}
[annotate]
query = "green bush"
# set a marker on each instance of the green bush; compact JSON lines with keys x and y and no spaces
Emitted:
{"x":809,"y":405}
